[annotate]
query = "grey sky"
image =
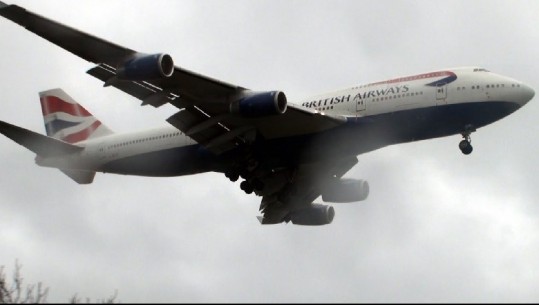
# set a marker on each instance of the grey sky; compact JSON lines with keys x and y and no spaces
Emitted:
{"x":438,"y":226}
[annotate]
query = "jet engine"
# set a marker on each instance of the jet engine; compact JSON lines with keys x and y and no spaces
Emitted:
{"x":260,"y":104}
{"x":346,"y":190}
{"x":315,"y":215}
{"x":146,"y":67}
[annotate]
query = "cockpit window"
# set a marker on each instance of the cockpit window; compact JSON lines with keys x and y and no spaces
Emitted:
{"x":480,"y":70}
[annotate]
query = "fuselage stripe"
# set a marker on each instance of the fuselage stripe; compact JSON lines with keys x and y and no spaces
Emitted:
{"x":417,"y":77}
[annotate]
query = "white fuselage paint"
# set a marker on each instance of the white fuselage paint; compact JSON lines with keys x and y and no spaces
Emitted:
{"x":469,"y":85}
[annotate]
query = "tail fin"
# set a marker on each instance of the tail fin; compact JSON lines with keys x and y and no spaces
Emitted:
{"x":67,"y":120}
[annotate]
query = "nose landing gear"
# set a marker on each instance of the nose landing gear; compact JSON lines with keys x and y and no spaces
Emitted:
{"x":466,"y":144}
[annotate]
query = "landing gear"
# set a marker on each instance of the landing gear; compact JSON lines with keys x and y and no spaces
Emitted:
{"x":251,"y":186}
{"x":466,"y":144}
{"x":466,"y":147}
{"x":233,"y":176}
{"x":247,"y":187}
{"x":247,"y":168}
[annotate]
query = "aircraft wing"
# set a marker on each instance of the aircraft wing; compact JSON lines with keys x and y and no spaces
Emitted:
{"x":204,"y":103}
{"x":301,"y":188}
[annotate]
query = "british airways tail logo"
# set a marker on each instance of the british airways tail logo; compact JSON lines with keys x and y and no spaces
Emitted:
{"x":66,"y":121}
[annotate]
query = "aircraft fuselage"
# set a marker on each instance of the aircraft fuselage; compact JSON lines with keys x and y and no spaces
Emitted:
{"x":400,"y":110}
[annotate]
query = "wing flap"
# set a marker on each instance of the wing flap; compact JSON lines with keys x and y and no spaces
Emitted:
{"x":147,"y":93}
{"x":295,"y":121}
{"x":197,"y":125}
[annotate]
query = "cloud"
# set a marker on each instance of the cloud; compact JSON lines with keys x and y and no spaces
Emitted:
{"x":437,"y":226}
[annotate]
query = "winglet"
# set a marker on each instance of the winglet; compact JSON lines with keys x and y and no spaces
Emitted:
{"x":2,"y":5}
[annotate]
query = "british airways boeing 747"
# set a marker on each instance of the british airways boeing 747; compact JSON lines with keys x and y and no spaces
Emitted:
{"x":288,"y":153}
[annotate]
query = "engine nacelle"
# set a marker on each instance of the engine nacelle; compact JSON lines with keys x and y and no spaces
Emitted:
{"x":260,"y":104}
{"x":346,"y":190}
{"x":146,"y":67}
{"x":315,"y":215}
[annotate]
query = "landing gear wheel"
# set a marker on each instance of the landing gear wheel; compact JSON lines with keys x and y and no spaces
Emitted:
{"x":466,"y":144}
{"x":246,"y":187}
{"x":233,"y":176}
{"x":466,"y":147}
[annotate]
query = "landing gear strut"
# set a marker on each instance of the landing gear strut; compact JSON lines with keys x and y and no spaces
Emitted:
{"x":466,"y":144}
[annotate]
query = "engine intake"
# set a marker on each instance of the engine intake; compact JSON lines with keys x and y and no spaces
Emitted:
{"x":315,"y":215}
{"x":260,"y":104}
{"x":146,"y":67}
{"x":346,"y":190}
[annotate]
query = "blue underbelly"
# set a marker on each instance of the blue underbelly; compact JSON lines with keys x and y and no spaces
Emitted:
{"x":357,"y":136}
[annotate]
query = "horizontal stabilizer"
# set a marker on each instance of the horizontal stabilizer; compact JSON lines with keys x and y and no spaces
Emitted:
{"x":40,"y":144}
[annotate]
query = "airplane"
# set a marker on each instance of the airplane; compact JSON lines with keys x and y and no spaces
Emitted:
{"x":289,"y":154}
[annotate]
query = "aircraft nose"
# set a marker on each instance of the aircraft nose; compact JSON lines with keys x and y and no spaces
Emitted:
{"x":526,"y":94}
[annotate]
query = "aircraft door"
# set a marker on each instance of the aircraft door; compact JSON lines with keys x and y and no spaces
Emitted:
{"x":361,"y":104}
{"x":441,"y":94}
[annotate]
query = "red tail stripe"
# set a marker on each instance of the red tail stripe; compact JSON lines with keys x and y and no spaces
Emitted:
{"x":53,"y":104}
{"x":83,"y":134}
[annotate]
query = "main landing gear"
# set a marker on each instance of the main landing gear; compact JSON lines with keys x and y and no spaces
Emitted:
{"x":249,"y":185}
{"x":466,"y":144}
{"x":233,"y":176}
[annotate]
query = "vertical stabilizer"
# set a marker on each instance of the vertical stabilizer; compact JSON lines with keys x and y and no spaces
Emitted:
{"x":67,"y":120}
